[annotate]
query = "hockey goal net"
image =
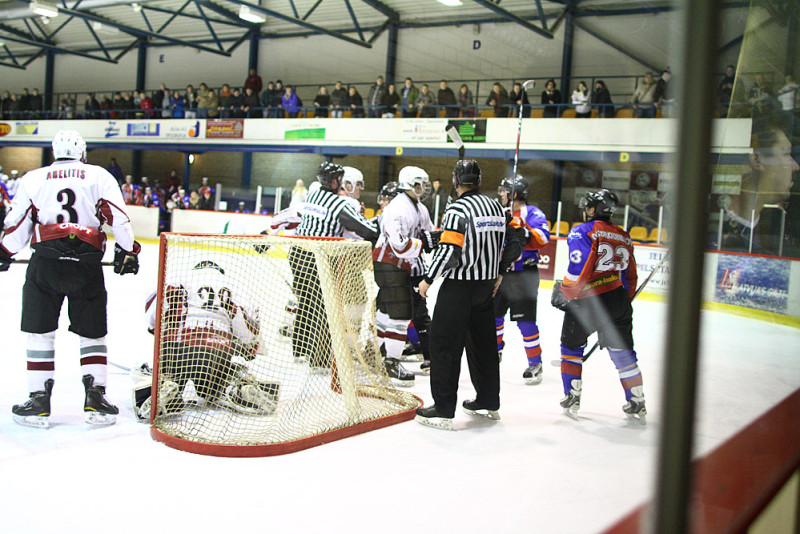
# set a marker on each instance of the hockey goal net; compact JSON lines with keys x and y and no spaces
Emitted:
{"x":266,"y":345}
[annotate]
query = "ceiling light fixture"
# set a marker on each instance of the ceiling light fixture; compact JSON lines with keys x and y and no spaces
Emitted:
{"x":251,"y":15}
{"x":451,"y":3}
{"x":136,"y":7}
{"x":104,"y":28}
{"x":43,"y":9}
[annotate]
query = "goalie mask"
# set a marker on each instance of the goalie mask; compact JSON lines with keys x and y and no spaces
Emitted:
{"x":68,"y":144}
{"x":352,"y":182}
{"x":604,"y":202}
{"x":328,"y":172}
{"x":416,"y":180}
{"x":516,"y":187}
{"x":467,"y":172}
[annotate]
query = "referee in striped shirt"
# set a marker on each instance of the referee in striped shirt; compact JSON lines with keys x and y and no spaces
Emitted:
{"x":324,"y":214}
{"x":472,"y":259}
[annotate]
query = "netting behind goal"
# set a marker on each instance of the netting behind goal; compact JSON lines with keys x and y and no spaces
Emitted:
{"x":267,"y":345}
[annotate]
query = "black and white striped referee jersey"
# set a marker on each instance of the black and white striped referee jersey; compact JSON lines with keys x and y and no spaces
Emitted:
{"x":471,"y":244}
{"x":326,"y":214}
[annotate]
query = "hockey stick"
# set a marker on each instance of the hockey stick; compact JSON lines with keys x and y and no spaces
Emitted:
{"x":118,"y":366}
{"x":28,"y":260}
{"x":557,"y":363}
{"x":452,"y":133}
{"x":519,"y":125}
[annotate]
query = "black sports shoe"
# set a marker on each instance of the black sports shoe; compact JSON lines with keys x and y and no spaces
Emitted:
{"x":425,"y":367}
{"x":96,"y":406}
{"x":429,"y":416}
{"x":36,"y":410}
{"x":412,"y":352}
{"x":472,"y":407}
{"x":399,"y":375}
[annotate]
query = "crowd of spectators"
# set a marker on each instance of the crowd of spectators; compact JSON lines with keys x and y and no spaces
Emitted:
{"x":276,"y":100}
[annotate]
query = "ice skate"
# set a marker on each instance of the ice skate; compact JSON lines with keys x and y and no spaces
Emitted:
{"x":285,"y":331}
{"x":472,"y":407}
{"x":635,"y":408}
{"x":572,"y":402}
{"x":98,"y":410}
{"x":500,"y":351}
{"x":430,"y":417}
{"x":533,"y":374}
{"x":425,"y":367}
{"x":399,"y":374}
{"x":412,"y":353}
{"x":35,"y":411}
{"x":257,"y":398}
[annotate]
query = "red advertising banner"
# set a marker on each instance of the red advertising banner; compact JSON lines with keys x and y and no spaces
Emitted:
{"x":547,"y":261}
{"x":225,"y":128}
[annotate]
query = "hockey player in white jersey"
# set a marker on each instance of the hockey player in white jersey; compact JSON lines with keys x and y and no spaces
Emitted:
{"x":208,"y":332}
{"x":59,"y":210}
{"x":406,"y":231}
{"x":352,"y":185}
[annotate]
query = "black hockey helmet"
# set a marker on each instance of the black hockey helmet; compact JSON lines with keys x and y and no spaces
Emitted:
{"x":328,"y":172}
{"x":466,"y":172}
{"x":604,"y":202}
{"x":515,"y":186}
{"x":389,"y":191}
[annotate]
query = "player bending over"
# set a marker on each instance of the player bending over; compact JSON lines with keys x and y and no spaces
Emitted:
{"x":596,"y":297}
{"x":59,"y":210}
{"x":206,"y":334}
{"x":520,"y":285}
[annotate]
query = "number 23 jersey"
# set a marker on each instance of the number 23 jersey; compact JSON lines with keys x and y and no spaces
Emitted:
{"x":600,"y":260}
{"x":67,"y":197}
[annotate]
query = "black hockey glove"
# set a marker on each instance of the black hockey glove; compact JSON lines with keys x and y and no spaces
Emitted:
{"x":430,"y":240}
{"x":557,"y":298}
{"x":262,"y":249}
{"x":5,"y":259}
{"x":126,"y":262}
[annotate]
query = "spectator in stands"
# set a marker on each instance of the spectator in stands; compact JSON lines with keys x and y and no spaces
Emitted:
{"x":356,"y":103}
{"x":147,"y":106}
{"x":225,"y":102}
{"x":191,"y":102}
{"x":321,"y":102}
{"x":280,"y":112}
{"x":150,"y":199}
{"x":298,"y":194}
{"x":205,"y":188}
{"x":106,"y":108}
{"x":498,"y":99}
{"x":338,"y":100}
{"x":663,"y":97}
{"x":172,"y":183}
{"x":601,"y":100}
{"x":250,"y":103}
{"x":519,"y":97}
{"x":375,"y":98}
{"x":391,"y":103}
{"x":212,"y":101}
{"x":291,"y":102}
{"x":268,"y":99}
{"x":137,"y":100}
{"x":25,"y":103}
{"x":66,"y":107}
{"x":254,"y":82}
{"x":241,"y":208}
{"x":760,"y":96}
{"x":725,"y":90}
{"x":237,"y":105}
{"x":36,"y":104}
{"x":203,"y":103}
{"x":115,"y":170}
{"x":130,"y":191}
{"x":580,"y":99}
{"x":91,"y":106}
{"x":437,"y":191}
{"x":162,"y":98}
{"x":207,"y":200}
{"x":194,"y":200}
{"x":447,"y":99}
{"x":177,"y":105}
{"x":551,"y":98}
{"x":644,"y":97}
{"x":426,"y":102}
{"x":409,"y":97}
{"x":787,"y":95}
{"x":465,"y":102}
{"x":5,"y":105}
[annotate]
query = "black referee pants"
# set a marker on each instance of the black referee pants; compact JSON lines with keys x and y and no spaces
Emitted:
{"x":464,"y":318}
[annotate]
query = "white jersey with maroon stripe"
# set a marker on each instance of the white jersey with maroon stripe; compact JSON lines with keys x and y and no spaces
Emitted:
{"x":67,"y":198}
{"x":402,"y":224}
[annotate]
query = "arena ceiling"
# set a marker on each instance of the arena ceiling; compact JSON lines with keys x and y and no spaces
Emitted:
{"x":106,"y":30}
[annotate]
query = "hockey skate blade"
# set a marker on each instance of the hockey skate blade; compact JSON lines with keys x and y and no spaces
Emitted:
{"x":555,"y":363}
{"x":403,"y":383}
{"x":441,"y":423}
{"x":35,"y":421}
{"x":99,"y":419}
{"x":411,"y":358}
{"x":533,"y":381}
{"x":572,"y":414}
{"x":639,"y":418}
{"x":494,"y":415}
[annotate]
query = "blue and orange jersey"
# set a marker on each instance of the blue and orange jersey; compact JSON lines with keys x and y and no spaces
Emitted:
{"x":130,"y":193}
{"x":532,"y":219}
{"x":4,"y":198}
{"x":600,"y":260}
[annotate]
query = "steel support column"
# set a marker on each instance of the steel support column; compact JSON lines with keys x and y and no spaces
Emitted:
{"x":49,"y":77}
{"x":391,"y":54}
{"x":566,"y":55}
{"x":252,"y":61}
{"x":247,"y":169}
{"x":187,"y":171}
{"x":697,"y":56}
{"x":141,"y":65}
{"x":136,"y":164}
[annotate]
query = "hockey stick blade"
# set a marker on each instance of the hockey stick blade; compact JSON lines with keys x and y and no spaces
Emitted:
{"x":659,"y":265}
{"x":529,"y":84}
{"x":452,"y":133}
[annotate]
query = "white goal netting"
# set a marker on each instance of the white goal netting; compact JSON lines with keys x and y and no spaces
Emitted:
{"x":267,"y":345}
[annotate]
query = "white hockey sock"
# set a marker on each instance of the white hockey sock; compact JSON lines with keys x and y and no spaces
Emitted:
{"x":94,"y":359}
{"x":395,"y":336}
{"x":41,"y":354}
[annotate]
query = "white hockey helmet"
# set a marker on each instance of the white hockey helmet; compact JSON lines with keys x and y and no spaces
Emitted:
{"x":351,"y":181}
{"x":414,"y":179}
{"x":68,"y":144}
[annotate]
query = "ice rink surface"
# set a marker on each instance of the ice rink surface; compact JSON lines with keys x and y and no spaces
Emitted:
{"x":534,"y":471}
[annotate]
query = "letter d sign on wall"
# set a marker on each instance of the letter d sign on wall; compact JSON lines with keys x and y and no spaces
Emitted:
{"x":476,"y":44}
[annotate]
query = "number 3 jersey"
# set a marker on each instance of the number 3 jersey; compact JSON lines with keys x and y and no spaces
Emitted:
{"x":67,"y":199}
{"x":600,"y":260}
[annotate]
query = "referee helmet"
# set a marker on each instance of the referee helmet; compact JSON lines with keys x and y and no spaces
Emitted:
{"x":328,"y":172}
{"x":467,"y":172}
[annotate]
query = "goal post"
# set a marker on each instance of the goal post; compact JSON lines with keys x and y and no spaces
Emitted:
{"x":267,"y":345}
